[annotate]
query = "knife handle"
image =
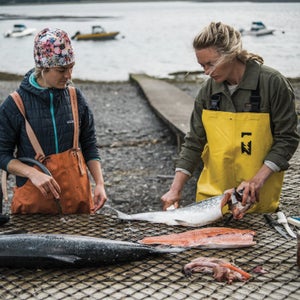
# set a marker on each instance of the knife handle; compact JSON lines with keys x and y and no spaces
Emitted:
{"x":282,"y":220}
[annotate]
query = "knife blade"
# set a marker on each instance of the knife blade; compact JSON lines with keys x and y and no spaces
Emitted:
{"x":274,"y":224}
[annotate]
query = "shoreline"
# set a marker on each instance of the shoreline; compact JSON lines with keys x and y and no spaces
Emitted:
{"x":6,"y":76}
{"x":183,"y":82}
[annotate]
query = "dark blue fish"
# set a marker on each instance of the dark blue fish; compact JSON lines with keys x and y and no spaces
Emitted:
{"x":52,"y":250}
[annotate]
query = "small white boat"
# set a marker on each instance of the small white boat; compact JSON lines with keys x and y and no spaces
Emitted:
{"x":19,"y":30}
{"x":258,"y":28}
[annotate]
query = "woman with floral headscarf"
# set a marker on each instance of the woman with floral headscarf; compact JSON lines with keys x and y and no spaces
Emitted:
{"x":47,"y":121}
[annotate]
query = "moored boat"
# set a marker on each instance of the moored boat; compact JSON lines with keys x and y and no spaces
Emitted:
{"x":98,"y":33}
{"x":258,"y":28}
{"x":19,"y":30}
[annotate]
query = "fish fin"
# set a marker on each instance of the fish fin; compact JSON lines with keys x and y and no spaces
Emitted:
{"x":119,"y":214}
{"x":123,"y":216}
{"x":162,"y":249}
{"x":185,"y":223}
{"x":16,"y":231}
{"x":70,"y":259}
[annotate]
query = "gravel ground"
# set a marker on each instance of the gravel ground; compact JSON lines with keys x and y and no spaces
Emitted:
{"x":137,"y":149}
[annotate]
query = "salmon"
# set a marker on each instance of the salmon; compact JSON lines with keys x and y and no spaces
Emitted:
{"x":197,"y":214}
{"x":62,"y":250}
{"x":210,"y":237}
{"x":221,"y":269}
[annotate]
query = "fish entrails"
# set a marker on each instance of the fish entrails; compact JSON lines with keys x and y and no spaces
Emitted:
{"x":221,"y":269}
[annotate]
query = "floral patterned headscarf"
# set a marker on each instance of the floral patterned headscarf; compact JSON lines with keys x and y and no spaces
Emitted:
{"x":52,"y":48}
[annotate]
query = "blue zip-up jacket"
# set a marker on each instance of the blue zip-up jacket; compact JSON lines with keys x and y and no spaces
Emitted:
{"x":49,"y":113}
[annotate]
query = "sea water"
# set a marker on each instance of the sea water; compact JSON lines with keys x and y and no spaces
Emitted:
{"x":155,"y":37}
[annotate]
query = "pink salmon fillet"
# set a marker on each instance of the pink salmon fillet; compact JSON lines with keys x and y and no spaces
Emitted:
{"x":210,"y":237}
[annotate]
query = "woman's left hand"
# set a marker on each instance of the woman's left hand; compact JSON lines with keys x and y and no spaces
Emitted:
{"x":250,"y":192}
{"x":252,"y":187}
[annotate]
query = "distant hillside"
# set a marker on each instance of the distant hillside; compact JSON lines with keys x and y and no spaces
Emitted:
{"x":12,"y":2}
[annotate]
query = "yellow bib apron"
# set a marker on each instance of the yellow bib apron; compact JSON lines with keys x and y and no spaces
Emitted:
{"x":237,"y":144}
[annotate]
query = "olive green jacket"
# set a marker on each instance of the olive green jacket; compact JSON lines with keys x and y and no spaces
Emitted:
{"x":277,"y":99}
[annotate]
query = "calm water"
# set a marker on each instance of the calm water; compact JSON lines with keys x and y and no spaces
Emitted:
{"x":155,"y":38}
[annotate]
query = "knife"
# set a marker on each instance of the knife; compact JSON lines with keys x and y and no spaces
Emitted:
{"x":274,"y":224}
{"x":282,"y":220}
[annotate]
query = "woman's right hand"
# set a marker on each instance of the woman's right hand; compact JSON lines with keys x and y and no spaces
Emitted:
{"x":45,"y":183}
{"x":171,"y":198}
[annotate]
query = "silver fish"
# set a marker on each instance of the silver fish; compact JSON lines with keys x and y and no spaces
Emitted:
{"x":53,"y":250}
{"x":197,"y":214}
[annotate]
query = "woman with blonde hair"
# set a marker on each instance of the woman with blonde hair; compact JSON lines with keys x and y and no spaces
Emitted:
{"x":243,"y":126}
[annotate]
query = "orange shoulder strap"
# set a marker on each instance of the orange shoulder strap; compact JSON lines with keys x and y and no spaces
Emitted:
{"x":31,"y":135}
{"x":73,"y":99}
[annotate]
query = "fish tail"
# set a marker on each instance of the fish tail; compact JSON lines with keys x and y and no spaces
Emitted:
{"x":170,"y":249}
{"x":119,"y":214}
{"x":122,"y":215}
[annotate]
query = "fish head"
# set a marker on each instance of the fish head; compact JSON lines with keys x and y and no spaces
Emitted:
{"x":235,"y":204}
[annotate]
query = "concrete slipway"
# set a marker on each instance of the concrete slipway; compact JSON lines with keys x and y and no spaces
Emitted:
{"x":161,"y":277}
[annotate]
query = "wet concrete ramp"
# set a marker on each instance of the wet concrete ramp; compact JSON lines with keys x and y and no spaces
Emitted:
{"x":170,"y":103}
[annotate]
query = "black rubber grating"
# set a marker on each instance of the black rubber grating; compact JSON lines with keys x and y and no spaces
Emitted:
{"x":160,"y":277}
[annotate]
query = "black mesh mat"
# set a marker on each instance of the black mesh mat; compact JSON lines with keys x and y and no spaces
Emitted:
{"x":160,"y":277}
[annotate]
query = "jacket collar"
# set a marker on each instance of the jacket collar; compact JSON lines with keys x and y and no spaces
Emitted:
{"x":30,"y":85}
{"x":251,"y":76}
{"x":248,"y":82}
